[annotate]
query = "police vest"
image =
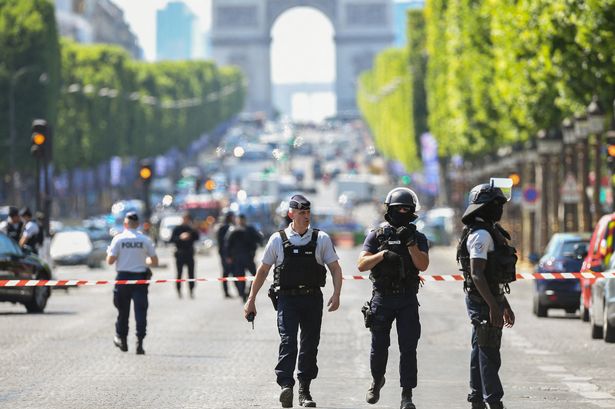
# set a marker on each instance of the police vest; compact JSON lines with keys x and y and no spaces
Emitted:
{"x":500,"y":269}
{"x":33,"y":241}
{"x":299,"y":267}
{"x":393,"y":276}
{"x":14,"y":232}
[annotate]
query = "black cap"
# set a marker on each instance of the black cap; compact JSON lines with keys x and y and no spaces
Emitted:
{"x":299,"y":202}
{"x":25,"y":212}
{"x":132,"y":216}
{"x":13,"y":211}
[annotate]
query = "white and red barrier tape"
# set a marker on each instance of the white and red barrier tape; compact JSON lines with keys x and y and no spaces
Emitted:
{"x":449,"y":277}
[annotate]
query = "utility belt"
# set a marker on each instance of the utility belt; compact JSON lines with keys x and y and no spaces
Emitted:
{"x":131,"y":275}
{"x":300,"y":291}
{"x":476,"y":297}
{"x":395,"y":291}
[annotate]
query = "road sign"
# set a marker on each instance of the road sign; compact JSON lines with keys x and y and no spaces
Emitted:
{"x":530,"y":197}
{"x":570,"y":190}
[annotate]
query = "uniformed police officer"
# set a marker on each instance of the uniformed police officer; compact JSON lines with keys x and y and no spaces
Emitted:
{"x":133,"y":252}
{"x":488,"y":265}
{"x":299,"y":254}
{"x":30,"y":235}
{"x":13,"y":225}
{"x":395,"y":253}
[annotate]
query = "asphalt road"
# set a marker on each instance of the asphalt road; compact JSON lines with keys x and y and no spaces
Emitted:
{"x":201,"y":353}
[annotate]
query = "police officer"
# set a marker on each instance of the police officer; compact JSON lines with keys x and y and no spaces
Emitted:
{"x":30,"y":234}
{"x":241,"y":244}
{"x":488,"y":265}
{"x":299,"y":254}
{"x":133,"y":252}
{"x":184,"y":236}
{"x":13,"y":225}
{"x":229,"y":221}
{"x":395,"y":253}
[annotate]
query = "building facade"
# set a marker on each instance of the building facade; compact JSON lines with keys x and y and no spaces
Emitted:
{"x":175,"y":32}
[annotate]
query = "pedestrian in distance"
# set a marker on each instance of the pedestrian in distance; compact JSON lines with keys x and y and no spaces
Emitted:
{"x":488,"y":265}
{"x":30,"y":235}
{"x":229,"y":221}
{"x":241,"y":243}
{"x":299,"y":254}
{"x":395,"y":253}
{"x":12,"y":226}
{"x":134,"y":253}
{"x":184,"y":236}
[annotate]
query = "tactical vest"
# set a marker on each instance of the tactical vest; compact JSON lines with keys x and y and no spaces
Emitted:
{"x":299,"y":267}
{"x":391,"y":276}
{"x":500,"y":269}
{"x":14,"y":232}
{"x":33,"y":241}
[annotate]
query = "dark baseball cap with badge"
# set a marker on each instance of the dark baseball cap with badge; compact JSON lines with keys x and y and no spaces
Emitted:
{"x":133,"y":216}
{"x":299,"y":202}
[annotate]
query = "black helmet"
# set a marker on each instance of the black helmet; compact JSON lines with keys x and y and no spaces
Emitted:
{"x":480,"y":195}
{"x":402,"y":196}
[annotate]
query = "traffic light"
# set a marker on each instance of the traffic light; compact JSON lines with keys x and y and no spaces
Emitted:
{"x":40,"y":146}
{"x":145,"y":172}
{"x":610,"y":148}
{"x":210,"y":185}
{"x":516,"y":179}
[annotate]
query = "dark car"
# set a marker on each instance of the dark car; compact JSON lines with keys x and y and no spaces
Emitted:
{"x":18,"y":264}
{"x":564,"y":254}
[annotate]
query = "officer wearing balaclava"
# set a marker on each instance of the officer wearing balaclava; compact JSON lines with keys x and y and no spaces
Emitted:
{"x":395,"y":253}
{"x":488,"y":265}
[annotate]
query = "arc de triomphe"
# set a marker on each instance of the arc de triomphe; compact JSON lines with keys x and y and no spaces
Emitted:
{"x":241,"y":36}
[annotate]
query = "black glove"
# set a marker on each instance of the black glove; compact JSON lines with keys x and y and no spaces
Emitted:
{"x":391,"y":257}
{"x":407,"y":234}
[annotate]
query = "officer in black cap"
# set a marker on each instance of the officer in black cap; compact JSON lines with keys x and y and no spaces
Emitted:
{"x":488,"y":265}
{"x":134,"y":252}
{"x":300,"y":254}
{"x":13,"y":225}
{"x":395,"y":253}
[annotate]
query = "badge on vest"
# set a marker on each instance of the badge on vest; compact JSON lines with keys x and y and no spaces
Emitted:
{"x":296,"y":251}
{"x":394,"y":242}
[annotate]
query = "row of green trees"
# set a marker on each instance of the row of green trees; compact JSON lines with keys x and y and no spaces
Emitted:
{"x":498,"y":71}
{"x":99,"y":100}
{"x":391,"y":96}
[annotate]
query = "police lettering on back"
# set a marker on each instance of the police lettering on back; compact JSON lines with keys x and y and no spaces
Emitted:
{"x":132,"y":245}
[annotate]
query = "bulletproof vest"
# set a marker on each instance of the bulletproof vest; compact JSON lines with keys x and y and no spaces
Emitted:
{"x":388,"y":275}
{"x":299,"y":267}
{"x":13,"y":231}
{"x":500,"y":269}
{"x":33,"y":241}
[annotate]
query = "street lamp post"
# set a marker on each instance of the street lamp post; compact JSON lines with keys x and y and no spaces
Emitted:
{"x":571,"y":220}
{"x":581,"y":131}
{"x":595,"y":123}
{"x":549,"y":146}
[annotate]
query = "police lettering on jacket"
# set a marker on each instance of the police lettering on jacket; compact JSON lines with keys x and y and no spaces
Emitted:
{"x":132,"y":244}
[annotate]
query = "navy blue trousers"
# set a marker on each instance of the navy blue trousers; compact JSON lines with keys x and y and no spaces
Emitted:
{"x":404,"y":309}
{"x":122,"y":296}
{"x":295,"y":312}
{"x":485,"y":362}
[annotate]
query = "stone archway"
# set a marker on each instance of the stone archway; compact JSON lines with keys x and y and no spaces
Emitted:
{"x":241,"y":36}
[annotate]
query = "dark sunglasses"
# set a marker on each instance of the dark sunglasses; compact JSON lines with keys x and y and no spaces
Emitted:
{"x":299,"y":205}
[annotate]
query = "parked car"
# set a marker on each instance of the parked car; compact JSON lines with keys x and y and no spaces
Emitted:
{"x":602,"y":308}
{"x":564,"y":254}
{"x":74,"y":247}
{"x":18,"y":264}
{"x":598,"y":257}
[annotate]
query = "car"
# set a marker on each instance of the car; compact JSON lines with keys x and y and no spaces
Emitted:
{"x":18,"y":264}
{"x":76,"y":246}
{"x":564,"y":254}
{"x":598,"y":257}
{"x":602,"y":308}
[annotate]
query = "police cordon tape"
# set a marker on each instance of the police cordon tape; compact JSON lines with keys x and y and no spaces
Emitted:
{"x":425,"y":278}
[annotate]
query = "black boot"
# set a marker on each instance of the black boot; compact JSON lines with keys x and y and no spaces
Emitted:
{"x":286,"y":397}
{"x":140,"y":350}
{"x":373,"y":393}
{"x":406,"y":399}
{"x":305,"y":399}
{"x":479,"y":405}
{"x":121,"y":343}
